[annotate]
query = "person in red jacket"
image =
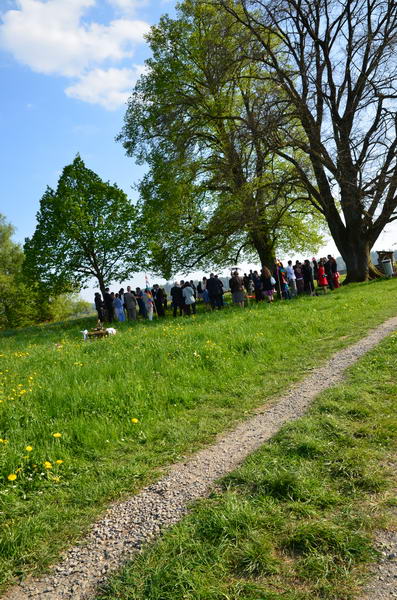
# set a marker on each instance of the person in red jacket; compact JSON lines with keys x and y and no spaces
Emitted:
{"x":322,"y":280}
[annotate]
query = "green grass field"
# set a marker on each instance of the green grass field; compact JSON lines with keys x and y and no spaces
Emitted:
{"x":127,"y":406}
{"x":295,"y":521}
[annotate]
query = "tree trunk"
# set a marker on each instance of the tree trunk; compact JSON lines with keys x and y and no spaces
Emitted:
{"x":355,"y":251}
{"x":265,"y":249}
{"x":354,"y":244}
{"x":101,"y":284}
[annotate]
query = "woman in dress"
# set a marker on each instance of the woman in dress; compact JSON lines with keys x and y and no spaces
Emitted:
{"x":149,"y":304}
{"x":268,"y":283}
{"x":322,"y":280}
{"x":206,"y":297}
{"x":300,"y":285}
{"x":236,"y":285}
{"x":334,"y":270}
{"x":118,"y":308}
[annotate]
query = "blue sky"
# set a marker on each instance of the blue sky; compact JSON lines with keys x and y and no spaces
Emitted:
{"x":67,"y":68}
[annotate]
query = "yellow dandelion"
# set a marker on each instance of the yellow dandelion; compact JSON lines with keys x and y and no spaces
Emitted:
{"x":134,"y":420}
{"x":57,"y":435}
{"x":59,"y":461}
{"x":11,"y":477}
{"x":28,"y":448}
{"x":47,"y":465}
{"x":56,"y":479}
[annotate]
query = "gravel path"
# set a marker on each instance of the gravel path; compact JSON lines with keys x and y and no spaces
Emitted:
{"x":126,"y":526}
{"x":383,"y":583}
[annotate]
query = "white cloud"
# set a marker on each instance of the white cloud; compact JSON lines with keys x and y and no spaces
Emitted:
{"x":110,"y":88}
{"x":127,"y":6}
{"x":52,"y":37}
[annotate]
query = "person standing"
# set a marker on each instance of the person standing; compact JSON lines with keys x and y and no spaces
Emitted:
{"x":206,"y":297}
{"x":149,"y":304}
{"x":141,"y":302}
{"x":308,"y":282}
{"x":256,"y":280}
{"x":158,"y":298}
{"x":165,"y":299}
{"x":277,"y":278}
{"x":268,"y":283}
{"x":221,"y":291}
{"x":236,"y":284}
{"x":100,"y":307}
{"x":246,"y":280}
{"x":334,"y":271}
{"x":291,"y":277}
{"x":108,"y":301}
{"x":118,"y":308}
{"x":177,"y":299}
{"x":200,"y":290}
{"x":190,"y":301}
{"x":283,"y":282}
{"x":328,"y":272}
{"x":193,"y":288}
{"x":213,"y":290}
{"x":299,"y":278}
{"x":322,"y":280}
{"x":130,"y":304}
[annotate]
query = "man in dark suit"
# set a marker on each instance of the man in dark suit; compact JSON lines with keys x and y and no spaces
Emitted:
{"x":177,"y":299}
{"x":158,"y":298}
{"x":108,"y":300}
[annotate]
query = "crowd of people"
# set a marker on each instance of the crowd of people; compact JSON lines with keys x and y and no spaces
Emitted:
{"x":284,"y":282}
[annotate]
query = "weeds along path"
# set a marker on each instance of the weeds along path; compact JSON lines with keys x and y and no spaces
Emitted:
{"x":127,"y":526}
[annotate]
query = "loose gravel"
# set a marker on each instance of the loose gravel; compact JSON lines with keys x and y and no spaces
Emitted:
{"x":127,"y":526}
{"x":383,"y":582}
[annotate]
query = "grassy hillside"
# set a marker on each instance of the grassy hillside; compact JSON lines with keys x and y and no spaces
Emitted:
{"x":83,"y":423}
{"x":295,"y":521}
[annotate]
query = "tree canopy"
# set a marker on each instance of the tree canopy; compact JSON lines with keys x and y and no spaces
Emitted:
{"x":334,"y":64}
{"x":17,"y":303}
{"x":86,"y":229}
{"x":215,"y":191}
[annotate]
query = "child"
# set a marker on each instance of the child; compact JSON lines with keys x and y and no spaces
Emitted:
{"x":149,"y":303}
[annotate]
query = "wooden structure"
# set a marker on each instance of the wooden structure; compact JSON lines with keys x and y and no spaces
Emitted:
{"x":98,"y":332}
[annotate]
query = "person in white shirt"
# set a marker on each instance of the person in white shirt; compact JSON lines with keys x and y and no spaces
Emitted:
{"x":291,"y":278}
{"x":190,"y":300}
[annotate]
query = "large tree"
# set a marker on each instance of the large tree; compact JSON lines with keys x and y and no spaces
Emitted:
{"x":86,"y":229}
{"x":214,"y":191}
{"x":335,"y":62}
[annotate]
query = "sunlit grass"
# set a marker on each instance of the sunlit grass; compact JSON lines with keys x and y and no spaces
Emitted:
{"x":127,"y":406}
{"x":295,"y":521}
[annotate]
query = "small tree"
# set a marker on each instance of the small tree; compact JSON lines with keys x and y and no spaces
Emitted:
{"x":86,"y":230}
{"x":17,"y":301}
